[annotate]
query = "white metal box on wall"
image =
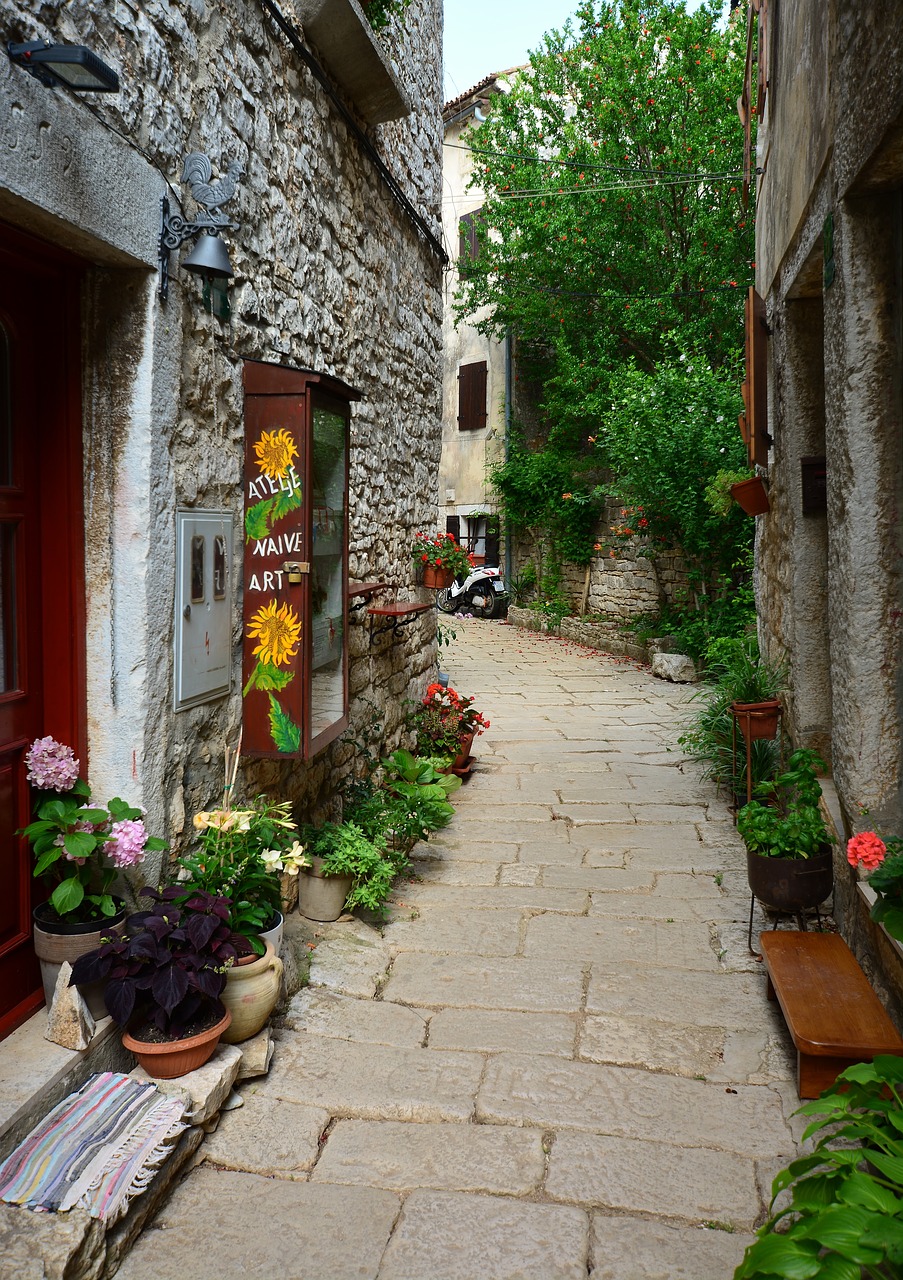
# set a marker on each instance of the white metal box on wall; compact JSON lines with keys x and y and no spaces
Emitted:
{"x":203,"y":631}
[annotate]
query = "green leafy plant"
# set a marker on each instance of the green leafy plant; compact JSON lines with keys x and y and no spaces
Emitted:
{"x":718,"y":494}
{"x":791,"y":826}
{"x":845,"y":1216}
{"x":884,"y":859}
{"x":379,"y":13}
{"x":80,"y":847}
{"x":347,"y":851}
{"x":741,"y":674}
{"x":441,"y":552}
{"x":238,"y":856}
{"x":442,"y":719}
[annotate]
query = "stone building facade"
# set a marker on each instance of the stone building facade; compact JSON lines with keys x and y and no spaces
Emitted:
{"x":828,"y":266}
{"x":139,"y":403}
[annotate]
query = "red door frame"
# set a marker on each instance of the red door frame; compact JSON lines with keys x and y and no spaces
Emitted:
{"x":44,"y":309}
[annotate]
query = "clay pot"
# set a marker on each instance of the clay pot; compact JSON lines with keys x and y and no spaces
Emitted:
{"x":757,"y":719}
{"x":250,"y":994}
{"x":56,"y":941}
{"x":437,"y":579}
{"x":321,"y":897}
{"x":177,"y":1057}
{"x":752,"y":496}
{"x":273,"y":935}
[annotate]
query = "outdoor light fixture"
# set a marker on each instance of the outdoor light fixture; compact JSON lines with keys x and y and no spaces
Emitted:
{"x":71,"y":65}
{"x":209,"y":258}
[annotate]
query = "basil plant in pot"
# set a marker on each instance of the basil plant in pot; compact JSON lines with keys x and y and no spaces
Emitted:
{"x":164,"y":979}
{"x":788,"y":849}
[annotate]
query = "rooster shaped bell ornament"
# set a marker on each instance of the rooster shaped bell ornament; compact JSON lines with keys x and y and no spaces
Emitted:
{"x":209,"y":258}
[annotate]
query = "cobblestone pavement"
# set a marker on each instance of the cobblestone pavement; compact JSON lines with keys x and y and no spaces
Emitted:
{"x":557,"y":1062}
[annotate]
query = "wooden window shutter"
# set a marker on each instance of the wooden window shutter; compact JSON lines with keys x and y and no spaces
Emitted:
{"x":453,"y":526}
{"x":472,"y":380}
{"x":754,"y":420}
{"x":468,"y":240}
{"x":492,"y":541}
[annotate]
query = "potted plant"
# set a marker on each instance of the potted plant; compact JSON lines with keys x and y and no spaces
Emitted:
{"x":752,"y":496}
{"x":742,"y":677}
{"x":239,"y":855}
{"x":349,"y":869}
{"x":164,"y":979}
{"x":884,"y":859}
{"x":441,"y":558}
{"x":446,"y":723}
{"x":788,"y":849}
{"x":80,"y":847}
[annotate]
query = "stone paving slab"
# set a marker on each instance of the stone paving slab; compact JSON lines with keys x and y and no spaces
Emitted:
{"x":521,"y":813}
{"x":659,"y":1046}
{"x":544,"y":985}
{"x":579,"y":815}
{"x":652,"y":906}
{"x":613,"y":877}
{"x":452,"y":1236}
{"x":440,"y":870}
{"x":727,"y":1000}
{"x":448,"y":847}
{"x":325,"y":1013}
{"x":268,"y":1136}
{"x":623,"y":1102}
{"x":520,"y":874}
{"x":503,"y":897}
{"x":626,"y":1248}
{"x":655,"y":1177}
{"x":446,"y":1157}
{"x":461,"y":930}
{"x":494,"y":1031}
{"x":351,"y":958}
{"x":606,"y":941}
{"x":374,"y":1081}
{"x":222,"y":1225}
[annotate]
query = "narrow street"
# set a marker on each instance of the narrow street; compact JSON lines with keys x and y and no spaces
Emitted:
{"x":558,"y":1060}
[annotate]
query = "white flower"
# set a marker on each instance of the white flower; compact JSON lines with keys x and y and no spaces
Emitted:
{"x":272,"y":859}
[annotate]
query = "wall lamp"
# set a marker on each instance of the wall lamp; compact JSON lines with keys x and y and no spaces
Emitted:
{"x":71,"y":65}
{"x":209,"y":258}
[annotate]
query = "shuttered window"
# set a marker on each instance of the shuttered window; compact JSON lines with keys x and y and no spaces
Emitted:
{"x":472,"y":396}
{"x":468,"y":240}
{"x":453,"y":526}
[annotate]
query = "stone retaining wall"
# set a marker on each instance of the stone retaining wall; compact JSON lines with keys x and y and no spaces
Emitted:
{"x":595,"y":635}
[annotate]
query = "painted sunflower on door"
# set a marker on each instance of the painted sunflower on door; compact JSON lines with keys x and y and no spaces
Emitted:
{"x":273,"y":538}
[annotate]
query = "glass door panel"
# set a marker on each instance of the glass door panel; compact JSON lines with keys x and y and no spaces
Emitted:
{"x":329,"y":458}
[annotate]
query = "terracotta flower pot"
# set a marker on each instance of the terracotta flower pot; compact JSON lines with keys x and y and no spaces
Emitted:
{"x":757,"y":719}
{"x":752,"y":496}
{"x":437,"y":579}
{"x":250,"y":994}
{"x":56,"y":941}
{"x":176,"y":1058}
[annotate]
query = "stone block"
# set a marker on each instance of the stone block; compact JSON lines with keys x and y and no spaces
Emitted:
{"x":69,"y":1020}
{"x":305,"y":1229}
{"x":453,"y":1236}
{"x":602,"y":940}
{"x":351,"y":959}
{"x":627,"y":1248}
{"x":204,"y":1090}
{"x":50,"y":1246}
{"x":256,"y":1055}
{"x":326,"y":1013}
{"x":450,"y":1157}
{"x":268,"y":1136}
{"x":493,"y":1031}
{"x":458,"y":930}
{"x":441,"y":982}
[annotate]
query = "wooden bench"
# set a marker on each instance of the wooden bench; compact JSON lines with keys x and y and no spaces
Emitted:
{"x":832,"y":1013}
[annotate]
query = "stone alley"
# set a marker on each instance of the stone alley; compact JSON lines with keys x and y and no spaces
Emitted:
{"x":558,"y":1060}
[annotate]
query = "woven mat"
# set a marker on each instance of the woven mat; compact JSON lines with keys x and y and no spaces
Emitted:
{"x":96,"y":1149}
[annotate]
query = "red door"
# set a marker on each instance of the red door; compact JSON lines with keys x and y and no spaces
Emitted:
{"x":41,"y":568}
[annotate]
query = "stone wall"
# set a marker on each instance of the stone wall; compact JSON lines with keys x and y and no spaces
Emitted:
{"x":330,"y":275}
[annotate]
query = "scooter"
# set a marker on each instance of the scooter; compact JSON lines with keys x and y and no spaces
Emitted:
{"x":482,"y":593}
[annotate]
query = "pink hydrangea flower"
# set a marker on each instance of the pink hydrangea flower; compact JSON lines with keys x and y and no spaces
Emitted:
{"x":51,"y":765}
{"x":125,"y":847}
{"x":866,"y":850}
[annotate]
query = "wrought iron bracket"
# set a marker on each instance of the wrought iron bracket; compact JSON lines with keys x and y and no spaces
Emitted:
{"x":175,"y":230}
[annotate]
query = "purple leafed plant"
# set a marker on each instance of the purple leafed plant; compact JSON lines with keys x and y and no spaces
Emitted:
{"x":169,"y":969}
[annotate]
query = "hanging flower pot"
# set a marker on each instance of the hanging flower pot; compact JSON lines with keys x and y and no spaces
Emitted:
{"x":752,"y":496}
{"x":437,"y":579}
{"x":757,"y":719}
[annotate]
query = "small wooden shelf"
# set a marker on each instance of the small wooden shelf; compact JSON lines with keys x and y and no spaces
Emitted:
{"x":396,"y":616}
{"x":362,"y":592}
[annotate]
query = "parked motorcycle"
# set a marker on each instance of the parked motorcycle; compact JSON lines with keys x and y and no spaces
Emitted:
{"x":481,"y":593}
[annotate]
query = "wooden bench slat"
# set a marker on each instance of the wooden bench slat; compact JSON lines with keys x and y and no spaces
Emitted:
{"x":831,"y":1011}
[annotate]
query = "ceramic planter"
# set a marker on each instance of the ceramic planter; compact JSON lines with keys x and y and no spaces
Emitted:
{"x":437,"y":579}
{"x":757,"y":719}
{"x":321,"y":897}
{"x":791,"y":884}
{"x":176,"y":1058}
{"x":752,"y":496}
{"x":250,"y":994}
{"x":56,"y":941}
{"x":273,"y":935}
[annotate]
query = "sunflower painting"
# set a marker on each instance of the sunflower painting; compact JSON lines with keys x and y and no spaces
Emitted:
{"x":277,"y":630}
{"x":276,"y":490}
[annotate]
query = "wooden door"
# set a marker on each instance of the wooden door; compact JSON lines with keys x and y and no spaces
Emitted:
{"x":41,"y":569}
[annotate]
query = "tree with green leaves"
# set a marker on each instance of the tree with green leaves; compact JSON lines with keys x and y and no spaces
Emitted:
{"x":614,"y":243}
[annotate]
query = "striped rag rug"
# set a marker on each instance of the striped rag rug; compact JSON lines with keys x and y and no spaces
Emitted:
{"x":96,"y":1149}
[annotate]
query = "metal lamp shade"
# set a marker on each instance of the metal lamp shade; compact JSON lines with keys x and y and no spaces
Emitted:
{"x":209,"y":258}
